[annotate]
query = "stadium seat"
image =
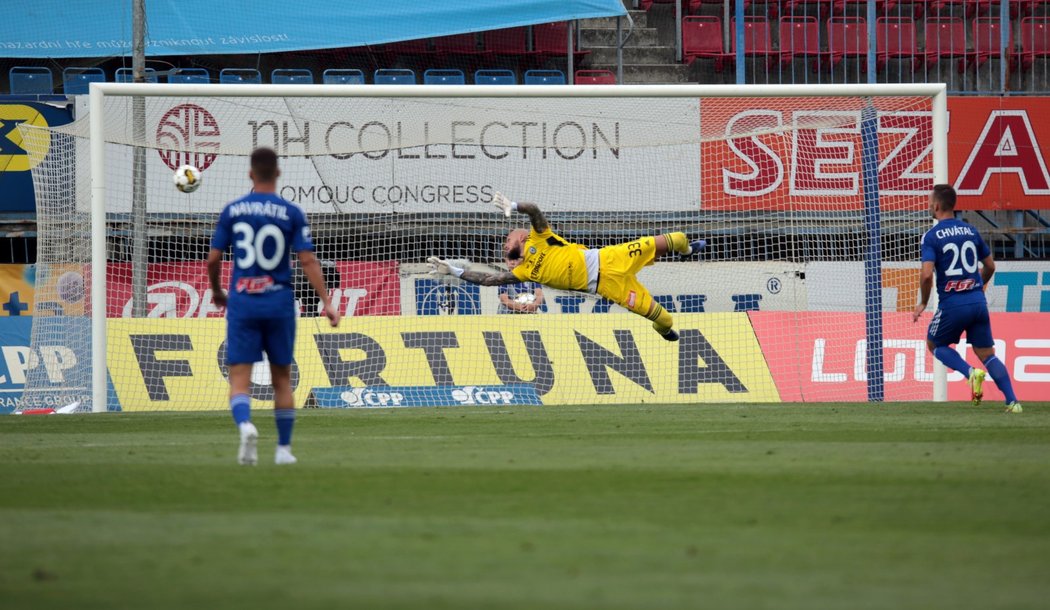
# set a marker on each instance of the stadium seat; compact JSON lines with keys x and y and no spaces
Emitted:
{"x":27,"y":80}
{"x":1035,"y":40}
{"x":702,"y":39}
{"x":970,"y":7}
{"x":495,"y":77}
{"x":757,"y":40}
{"x":126,"y":75}
{"x":292,"y":76}
{"x":240,"y":76}
{"x":544,"y":77}
{"x":594,"y":77}
{"x":343,"y":76}
{"x":394,"y":76}
{"x":895,"y":39}
{"x":799,"y":37}
{"x":788,"y":7}
{"x":443,"y":77}
{"x":882,"y":7}
{"x":847,"y":37}
{"x":509,"y":41}
{"x":458,"y":44}
{"x":189,"y":75}
{"x":553,"y":39}
{"x":987,"y":40}
{"x":946,"y":39}
{"x":75,"y":81}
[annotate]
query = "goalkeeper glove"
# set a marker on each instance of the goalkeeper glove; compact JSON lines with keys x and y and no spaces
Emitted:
{"x":504,"y":204}
{"x":443,"y":267}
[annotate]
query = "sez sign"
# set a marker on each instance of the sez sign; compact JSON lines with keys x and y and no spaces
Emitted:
{"x":996,"y":155}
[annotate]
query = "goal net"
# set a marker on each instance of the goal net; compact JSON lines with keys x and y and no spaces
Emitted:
{"x":812,"y":202}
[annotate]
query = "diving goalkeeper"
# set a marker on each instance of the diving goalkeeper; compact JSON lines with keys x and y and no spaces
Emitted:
{"x":542,"y":256}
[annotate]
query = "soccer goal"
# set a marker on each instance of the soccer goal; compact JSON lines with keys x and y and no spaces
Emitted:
{"x":812,"y":199}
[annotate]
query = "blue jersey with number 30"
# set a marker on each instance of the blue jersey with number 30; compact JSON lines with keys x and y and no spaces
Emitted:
{"x":956,"y":249}
{"x":263,"y":230}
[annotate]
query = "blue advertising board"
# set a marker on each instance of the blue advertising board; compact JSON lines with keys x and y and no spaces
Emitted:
{"x":423,"y":396}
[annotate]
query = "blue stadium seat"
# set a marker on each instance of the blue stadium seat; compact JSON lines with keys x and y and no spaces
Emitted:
{"x":30,"y":81}
{"x":444,"y":77}
{"x":292,"y":76}
{"x":240,"y":76}
{"x":395,"y":76}
{"x":189,"y":75}
{"x":495,"y":77}
{"x":125,"y":75}
{"x":75,"y":81}
{"x":343,"y":76}
{"x":544,"y":77}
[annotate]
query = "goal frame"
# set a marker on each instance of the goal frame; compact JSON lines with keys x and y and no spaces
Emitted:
{"x":937,"y":92}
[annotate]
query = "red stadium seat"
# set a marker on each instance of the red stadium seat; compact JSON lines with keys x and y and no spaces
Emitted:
{"x":757,"y":39}
{"x":1035,"y":39}
{"x":553,"y":39}
{"x":595,"y":77}
{"x":971,"y":7}
{"x":946,"y":39}
{"x":987,"y":40}
{"x":509,"y":41}
{"x":799,"y":37}
{"x":847,"y":37}
{"x":788,"y":7}
{"x":895,"y":38}
{"x":702,"y":39}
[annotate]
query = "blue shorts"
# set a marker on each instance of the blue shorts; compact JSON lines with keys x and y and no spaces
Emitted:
{"x":247,"y":338}
{"x":948,"y":325}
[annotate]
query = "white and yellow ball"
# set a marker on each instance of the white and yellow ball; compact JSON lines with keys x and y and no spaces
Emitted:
{"x":187,"y":178}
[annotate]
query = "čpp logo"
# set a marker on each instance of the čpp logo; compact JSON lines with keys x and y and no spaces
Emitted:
{"x":185,"y":134}
{"x":473,"y":395}
{"x":365,"y":397}
{"x":17,"y":154}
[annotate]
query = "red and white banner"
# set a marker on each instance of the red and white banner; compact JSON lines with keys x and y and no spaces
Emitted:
{"x":822,"y":357}
{"x":997,"y":151}
{"x":180,"y":290}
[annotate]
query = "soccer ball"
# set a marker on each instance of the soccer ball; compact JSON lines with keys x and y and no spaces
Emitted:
{"x":525,"y":298}
{"x":187,"y":178}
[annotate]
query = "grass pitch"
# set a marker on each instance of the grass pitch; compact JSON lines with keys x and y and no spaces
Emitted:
{"x":712,"y":506}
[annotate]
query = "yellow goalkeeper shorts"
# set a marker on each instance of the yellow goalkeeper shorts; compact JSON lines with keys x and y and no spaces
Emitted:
{"x":618,"y":266}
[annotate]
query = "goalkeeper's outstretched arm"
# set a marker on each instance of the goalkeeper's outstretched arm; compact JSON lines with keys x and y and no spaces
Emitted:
{"x":443,"y":267}
{"x":539,"y":223}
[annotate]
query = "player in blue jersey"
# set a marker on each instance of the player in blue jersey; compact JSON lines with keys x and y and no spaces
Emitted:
{"x":263,"y":230}
{"x":954,"y":248}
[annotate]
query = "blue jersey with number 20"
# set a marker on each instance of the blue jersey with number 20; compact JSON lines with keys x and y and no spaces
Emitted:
{"x":263,"y":229}
{"x":956,"y":249}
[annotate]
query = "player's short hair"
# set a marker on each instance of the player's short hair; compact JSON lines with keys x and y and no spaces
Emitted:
{"x":264,"y":164}
{"x":944,"y":195}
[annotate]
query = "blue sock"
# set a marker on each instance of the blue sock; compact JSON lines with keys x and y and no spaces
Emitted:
{"x":952,"y":360}
{"x":998,"y":371}
{"x":241,"y":407}
{"x":285,"y":420}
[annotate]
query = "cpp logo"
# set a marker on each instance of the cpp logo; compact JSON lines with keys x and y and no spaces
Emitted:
{"x":13,"y":154}
{"x":472,"y":395}
{"x":364,"y":397}
{"x":183,"y":132}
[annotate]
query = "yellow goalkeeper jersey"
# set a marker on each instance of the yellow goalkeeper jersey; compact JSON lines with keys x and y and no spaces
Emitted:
{"x":552,"y":261}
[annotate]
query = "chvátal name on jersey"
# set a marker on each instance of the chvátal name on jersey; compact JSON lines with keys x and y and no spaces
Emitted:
{"x":259,"y":208}
{"x":953,"y":231}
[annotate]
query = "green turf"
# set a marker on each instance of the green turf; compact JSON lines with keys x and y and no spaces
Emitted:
{"x":780,"y":507}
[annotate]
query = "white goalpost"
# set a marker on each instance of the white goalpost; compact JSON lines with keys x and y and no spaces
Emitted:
{"x":813,"y":199}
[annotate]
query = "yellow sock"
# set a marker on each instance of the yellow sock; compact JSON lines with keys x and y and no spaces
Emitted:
{"x":662,"y":321}
{"x":677,"y":242}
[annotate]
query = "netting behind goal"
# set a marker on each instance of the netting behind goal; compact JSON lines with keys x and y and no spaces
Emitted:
{"x":812,"y":208}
